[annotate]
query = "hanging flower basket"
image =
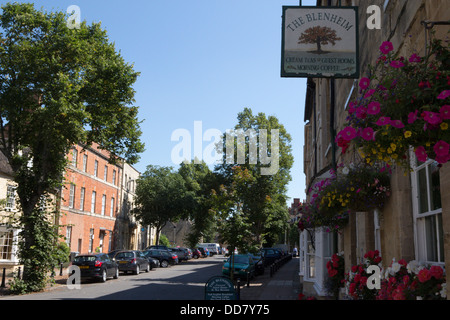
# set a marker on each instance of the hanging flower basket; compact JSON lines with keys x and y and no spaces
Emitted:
{"x":358,"y":187}
{"x":403,"y":103}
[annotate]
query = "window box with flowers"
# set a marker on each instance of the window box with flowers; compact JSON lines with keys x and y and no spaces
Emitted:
{"x":400,"y":281}
{"x":405,"y":102}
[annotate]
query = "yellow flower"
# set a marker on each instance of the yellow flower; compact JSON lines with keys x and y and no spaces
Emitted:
{"x":393,"y":146}
{"x":444,"y":126}
{"x":408,"y":134}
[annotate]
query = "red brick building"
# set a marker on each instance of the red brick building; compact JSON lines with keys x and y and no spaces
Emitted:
{"x":90,"y":200}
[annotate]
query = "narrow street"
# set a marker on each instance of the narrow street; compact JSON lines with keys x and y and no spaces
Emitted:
{"x":185,"y":281}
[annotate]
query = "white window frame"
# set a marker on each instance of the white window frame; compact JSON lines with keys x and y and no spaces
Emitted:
{"x":103,"y":204}
{"x":420,"y":237}
{"x":82,"y":197}
{"x":10,"y":197}
{"x":85,"y":161}
{"x":111,"y":212}
{"x":96,"y":168}
{"x":94,"y":195}
{"x":72,"y":196}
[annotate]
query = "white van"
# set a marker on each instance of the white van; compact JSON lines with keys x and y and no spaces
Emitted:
{"x":213,"y":248}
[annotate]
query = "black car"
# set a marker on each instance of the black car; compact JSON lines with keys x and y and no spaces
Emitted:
{"x":259,"y":263}
{"x":132,"y":260}
{"x":96,"y":266}
{"x":160,"y":247}
{"x":165,"y":257}
{"x":270,"y":255}
{"x":182,"y":253}
{"x":154,"y":263}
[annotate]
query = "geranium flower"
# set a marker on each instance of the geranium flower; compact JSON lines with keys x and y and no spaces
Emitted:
{"x":383,"y":121}
{"x":421,"y":154}
{"x":436,"y":272}
{"x":364,"y":83}
{"x":396,"y":64}
{"x":444,"y":112}
{"x":431,"y":117}
{"x":424,"y":275}
{"x":444,"y":94}
{"x":412,"y":116}
{"x":367,"y":134}
{"x":415,"y":58}
{"x":373,"y":107}
{"x":424,"y":84}
{"x":386,"y":47}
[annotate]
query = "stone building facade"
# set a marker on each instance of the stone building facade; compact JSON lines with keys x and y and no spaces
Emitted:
{"x":402,"y":230}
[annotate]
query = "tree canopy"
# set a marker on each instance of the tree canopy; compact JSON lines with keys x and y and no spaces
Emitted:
{"x":161,"y":196}
{"x":59,"y":87}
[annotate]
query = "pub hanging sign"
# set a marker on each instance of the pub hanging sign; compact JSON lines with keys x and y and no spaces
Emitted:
{"x":320,"y":42}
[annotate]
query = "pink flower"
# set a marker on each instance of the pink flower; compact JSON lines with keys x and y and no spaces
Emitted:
{"x":361,"y":113}
{"x":444,"y":112}
{"x":424,"y":275}
{"x":415,"y":58}
{"x":396,"y":64}
{"x":348,"y":133}
{"x":441,"y":148}
{"x":382,"y":121}
{"x":364,"y":83}
{"x":432,"y":117}
{"x":444,"y":94}
{"x":369,"y":93}
{"x":421,"y":154}
{"x":373,"y":108}
{"x":386,"y":47}
{"x":367,"y":134}
{"x":436,"y":272}
{"x":397,"y":124}
{"x":351,"y":108}
{"x":412,"y":116}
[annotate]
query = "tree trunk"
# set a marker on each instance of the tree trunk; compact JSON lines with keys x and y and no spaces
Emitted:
{"x":318,"y":40}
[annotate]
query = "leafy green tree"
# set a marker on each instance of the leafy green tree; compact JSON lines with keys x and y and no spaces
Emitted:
{"x":161,"y":196}
{"x":263,"y":199}
{"x":200,"y":180}
{"x":58,"y":87}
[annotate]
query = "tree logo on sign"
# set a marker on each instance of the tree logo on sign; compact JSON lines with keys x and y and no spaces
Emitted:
{"x":320,"y":36}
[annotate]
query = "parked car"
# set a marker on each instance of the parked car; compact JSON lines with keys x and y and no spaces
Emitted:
{"x":154,"y":263}
{"x":160,"y":247}
{"x":132,"y":260}
{"x":259,"y":262}
{"x":164,"y":257}
{"x":196,"y":253}
{"x":182,"y":253}
{"x":243,"y":266}
{"x":97,"y":266}
{"x":204,"y":252}
{"x":270,"y":255}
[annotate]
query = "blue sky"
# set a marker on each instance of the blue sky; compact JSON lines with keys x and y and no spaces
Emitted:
{"x":201,"y":60}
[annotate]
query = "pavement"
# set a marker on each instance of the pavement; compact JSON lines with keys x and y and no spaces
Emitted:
{"x":283,"y":285}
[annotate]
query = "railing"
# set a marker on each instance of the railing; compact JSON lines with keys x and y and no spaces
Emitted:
{"x":277,"y":264}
